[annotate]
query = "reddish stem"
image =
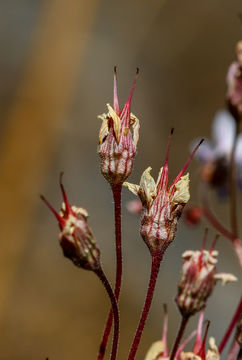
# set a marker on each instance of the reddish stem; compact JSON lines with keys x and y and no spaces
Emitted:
{"x":115,"y":311}
{"x":235,"y":319}
{"x":116,"y":189}
{"x":219,"y":227}
{"x":180,"y":333}
{"x":156,"y":261}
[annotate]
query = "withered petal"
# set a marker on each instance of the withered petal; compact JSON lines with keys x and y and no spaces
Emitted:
{"x":136,"y":126}
{"x":148,"y":187}
{"x":135,"y":189}
{"x":104,"y":129}
{"x":116,"y":121}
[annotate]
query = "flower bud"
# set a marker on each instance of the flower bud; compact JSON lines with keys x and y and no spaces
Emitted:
{"x":162,"y":204}
{"x":117,"y":143}
{"x":198,"y":278}
{"x":76,"y":238}
{"x":193,"y":215}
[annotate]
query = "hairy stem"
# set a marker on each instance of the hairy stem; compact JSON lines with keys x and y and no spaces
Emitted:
{"x":156,"y":260}
{"x":115,"y":311}
{"x":116,"y":189}
{"x":235,"y":319}
{"x":180,"y":333}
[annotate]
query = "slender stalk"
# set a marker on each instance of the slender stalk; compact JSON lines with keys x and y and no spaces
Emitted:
{"x":180,"y":333}
{"x":232,"y":185}
{"x":156,"y":261}
{"x":235,"y":319}
{"x":237,"y":244}
{"x":116,"y":189}
{"x":115,"y":311}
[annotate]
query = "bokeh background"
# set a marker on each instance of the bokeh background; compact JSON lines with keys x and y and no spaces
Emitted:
{"x":56,"y":71}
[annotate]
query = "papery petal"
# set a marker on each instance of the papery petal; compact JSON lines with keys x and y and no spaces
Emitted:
{"x":212,"y":353}
{"x":148,"y":187}
{"x":225,"y":278}
{"x":136,"y":126}
{"x":116,"y":121}
{"x":155,"y":350}
{"x":80,"y":211}
{"x":159,"y":176}
{"x":135,"y":189}
{"x":182,"y":195}
{"x":223,"y":132}
{"x":189,"y":356}
{"x":104,"y":128}
{"x":205,"y":153}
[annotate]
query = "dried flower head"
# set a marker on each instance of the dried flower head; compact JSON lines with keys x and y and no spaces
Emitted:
{"x":199,"y":350}
{"x":162,"y":204}
{"x":76,"y":238}
{"x":159,"y":349}
{"x":197,"y":281}
{"x":117,"y":143}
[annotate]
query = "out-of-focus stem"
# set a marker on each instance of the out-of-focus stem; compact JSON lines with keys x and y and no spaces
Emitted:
{"x":115,"y":311}
{"x":234,"y":349}
{"x":155,"y":267}
{"x":237,"y":244}
{"x":180,"y":333}
{"x":116,"y":189}
{"x":235,"y":319}
{"x":239,"y":357}
{"x":232,"y":185}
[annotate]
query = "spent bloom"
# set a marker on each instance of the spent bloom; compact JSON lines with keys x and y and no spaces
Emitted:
{"x":76,"y":238}
{"x":234,"y":84}
{"x":118,"y":138}
{"x":214,"y":155}
{"x":197,"y":281}
{"x":159,"y":349}
{"x":199,"y":350}
{"x":162,"y":204}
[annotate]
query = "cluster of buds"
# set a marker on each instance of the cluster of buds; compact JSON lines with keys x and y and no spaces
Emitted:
{"x":198,"y":278}
{"x":162,"y":205}
{"x":76,"y":238}
{"x":117,"y":144}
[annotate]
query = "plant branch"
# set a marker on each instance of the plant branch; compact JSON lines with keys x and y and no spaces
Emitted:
{"x":115,"y":311}
{"x":116,"y":190}
{"x":180,"y":333}
{"x":155,"y":267}
{"x":235,"y":319}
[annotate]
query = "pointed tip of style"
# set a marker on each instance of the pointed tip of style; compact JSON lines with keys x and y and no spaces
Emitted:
{"x":115,"y":92}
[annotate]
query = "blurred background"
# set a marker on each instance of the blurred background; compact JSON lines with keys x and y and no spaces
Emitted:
{"x":56,"y":70}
